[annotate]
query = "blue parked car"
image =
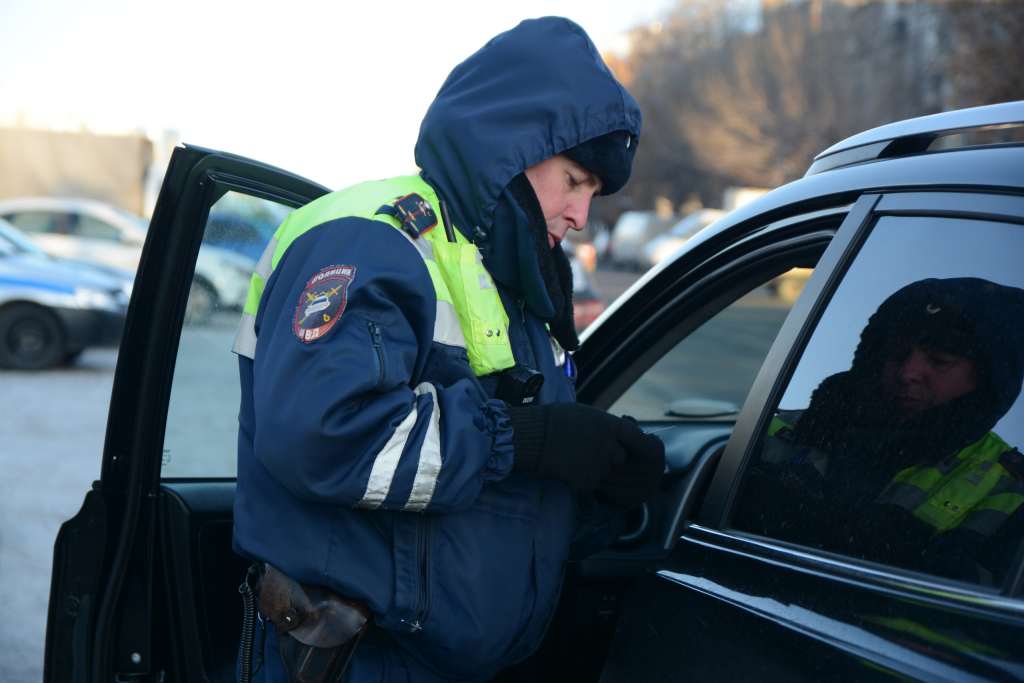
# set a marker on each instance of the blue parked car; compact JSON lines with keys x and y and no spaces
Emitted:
{"x":51,"y":309}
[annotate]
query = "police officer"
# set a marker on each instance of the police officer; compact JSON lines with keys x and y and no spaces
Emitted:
{"x":899,"y":449}
{"x":408,"y":436}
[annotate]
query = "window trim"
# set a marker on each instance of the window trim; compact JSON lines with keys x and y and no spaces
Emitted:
{"x":776,"y":373}
{"x":782,"y":358}
{"x":604,"y":381}
{"x":727,"y":282}
{"x":920,"y":587}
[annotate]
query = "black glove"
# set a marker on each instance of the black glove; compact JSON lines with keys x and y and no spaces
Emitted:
{"x":588,"y":449}
{"x":637,"y":479}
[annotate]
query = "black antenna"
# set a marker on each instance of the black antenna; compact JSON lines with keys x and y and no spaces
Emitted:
{"x":449,"y":231}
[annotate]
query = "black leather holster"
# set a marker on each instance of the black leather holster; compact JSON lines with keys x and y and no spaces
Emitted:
{"x":317,"y":630}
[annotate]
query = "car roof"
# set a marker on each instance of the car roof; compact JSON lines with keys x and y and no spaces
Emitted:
{"x":913,"y":136}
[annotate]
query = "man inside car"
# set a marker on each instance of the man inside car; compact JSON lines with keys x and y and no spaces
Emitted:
{"x":895,"y":459}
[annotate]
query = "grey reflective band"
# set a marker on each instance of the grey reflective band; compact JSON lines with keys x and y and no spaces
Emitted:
{"x":900,"y":494}
{"x":422,"y":245}
{"x":384,"y":465}
{"x":265,"y":265}
{"x":447,"y":329}
{"x":985,"y":521}
{"x":429,"y":466}
{"x":245,"y":338}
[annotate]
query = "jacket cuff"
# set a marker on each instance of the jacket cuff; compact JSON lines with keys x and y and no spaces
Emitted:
{"x":528,"y":428}
{"x":496,"y":422}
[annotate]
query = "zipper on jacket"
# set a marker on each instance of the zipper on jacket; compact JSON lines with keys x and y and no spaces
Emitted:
{"x":423,"y":553}
{"x":378,"y":346}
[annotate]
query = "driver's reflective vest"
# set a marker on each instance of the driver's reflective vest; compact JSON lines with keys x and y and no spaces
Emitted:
{"x":968,"y":490}
{"x":469,"y":311}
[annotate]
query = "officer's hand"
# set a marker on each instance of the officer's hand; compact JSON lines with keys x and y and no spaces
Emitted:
{"x":637,"y":479}
{"x":575,"y":443}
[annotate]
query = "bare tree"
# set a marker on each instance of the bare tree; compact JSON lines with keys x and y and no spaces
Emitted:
{"x":736,"y":96}
{"x":986,"y":51}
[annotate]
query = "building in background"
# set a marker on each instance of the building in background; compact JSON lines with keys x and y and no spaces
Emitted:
{"x":122,"y":170}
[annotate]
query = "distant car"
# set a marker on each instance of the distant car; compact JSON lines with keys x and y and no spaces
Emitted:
{"x":89,"y":230}
{"x":51,"y":309}
{"x":632,"y":232}
{"x":663,"y":246}
{"x":587,"y":301}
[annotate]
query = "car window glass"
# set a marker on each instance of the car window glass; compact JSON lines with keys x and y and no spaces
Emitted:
{"x":713,"y":368}
{"x":94,"y":228}
{"x":895,"y":439}
{"x":202,"y":420}
{"x":36,"y":221}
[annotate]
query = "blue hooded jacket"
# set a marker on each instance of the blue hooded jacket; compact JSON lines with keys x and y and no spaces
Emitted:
{"x":465,"y":583}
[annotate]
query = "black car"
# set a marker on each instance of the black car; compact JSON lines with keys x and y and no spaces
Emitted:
{"x":699,"y":586}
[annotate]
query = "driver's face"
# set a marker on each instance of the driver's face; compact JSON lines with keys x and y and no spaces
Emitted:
{"x":925,"y":379}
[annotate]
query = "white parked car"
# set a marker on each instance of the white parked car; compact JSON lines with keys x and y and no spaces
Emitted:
{"x":89,"y":230}
{"x":632,"y":232}
{"x":663,"y":246}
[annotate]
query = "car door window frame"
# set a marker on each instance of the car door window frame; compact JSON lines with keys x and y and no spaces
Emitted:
{"x":128,"y":488}
{"x":781,"y":362}
{"x":708,"y":287}
{"x":704,"y":291}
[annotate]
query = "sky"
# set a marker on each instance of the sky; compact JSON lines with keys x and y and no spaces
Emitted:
{"x":333,"y":91}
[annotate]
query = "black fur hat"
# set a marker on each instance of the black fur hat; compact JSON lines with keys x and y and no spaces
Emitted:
{"x":608,"y":156}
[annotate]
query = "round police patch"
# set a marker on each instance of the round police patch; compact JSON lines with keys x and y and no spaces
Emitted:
{"x":322,"y":302}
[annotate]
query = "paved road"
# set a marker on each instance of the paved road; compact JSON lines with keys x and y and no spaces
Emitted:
{"x":52,"y":427}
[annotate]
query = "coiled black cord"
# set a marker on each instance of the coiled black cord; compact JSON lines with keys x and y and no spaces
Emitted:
{"x":248,"y":629}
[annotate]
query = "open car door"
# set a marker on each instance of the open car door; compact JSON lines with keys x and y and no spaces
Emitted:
{"x":143,"y":576}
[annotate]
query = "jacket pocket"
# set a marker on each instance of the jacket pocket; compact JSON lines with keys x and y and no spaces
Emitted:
{"x":482,"y":592}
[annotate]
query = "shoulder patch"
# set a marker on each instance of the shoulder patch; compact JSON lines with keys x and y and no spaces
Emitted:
{"x":322,"y":302}
{"x":1013,"y":462}
{"x":413,"y":212}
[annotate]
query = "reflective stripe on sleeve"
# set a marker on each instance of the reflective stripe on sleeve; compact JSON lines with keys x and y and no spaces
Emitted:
{"x":384,"y":465}
{"x":245,"y":338}
{"x":265,"y":266}
{"x":429,"y":466}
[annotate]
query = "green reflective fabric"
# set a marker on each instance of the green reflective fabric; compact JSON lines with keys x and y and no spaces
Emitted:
{"x":481,"y":314}
{"x":456,"y":270}
{"x":953,"y":496}
{"x":977,"y":483}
